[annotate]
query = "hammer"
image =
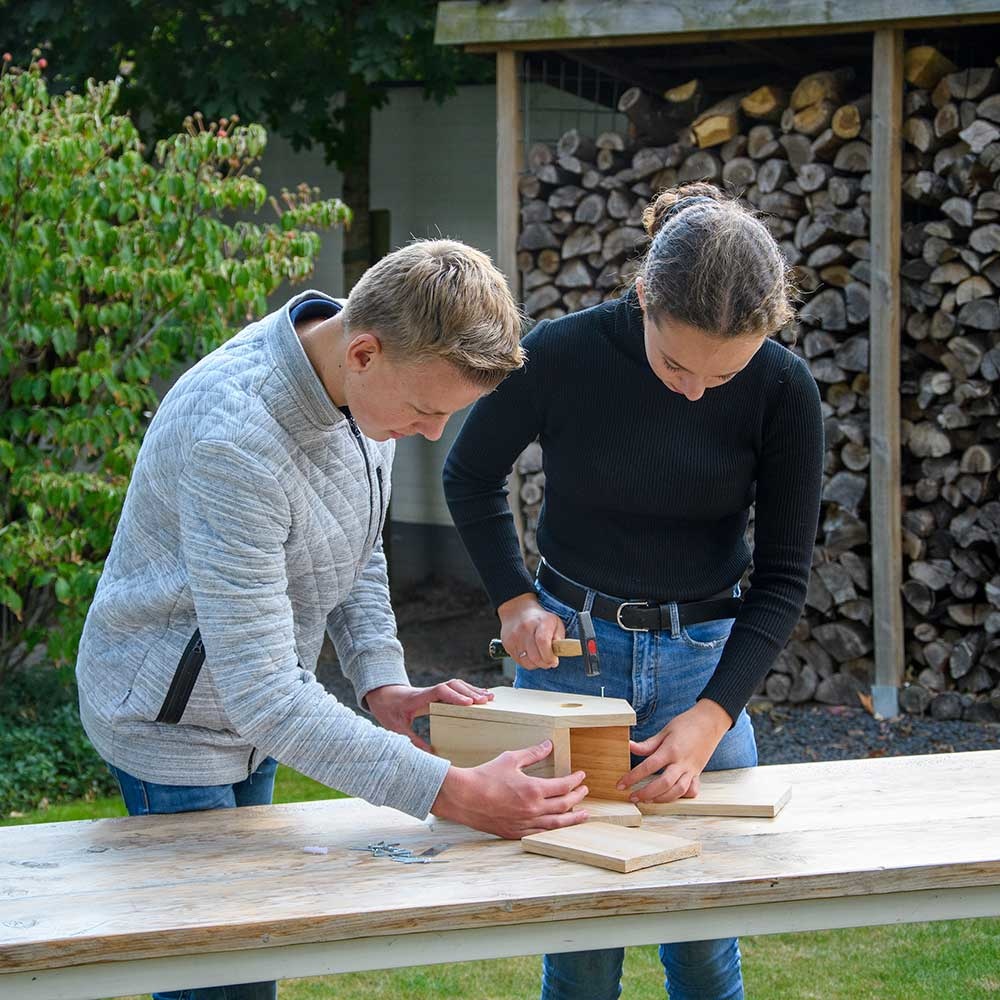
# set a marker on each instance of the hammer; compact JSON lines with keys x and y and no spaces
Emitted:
{"x":567,"y":647}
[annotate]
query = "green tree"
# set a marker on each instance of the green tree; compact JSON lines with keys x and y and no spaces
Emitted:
{"x":311,"y":70}
{"x":115,"y":269}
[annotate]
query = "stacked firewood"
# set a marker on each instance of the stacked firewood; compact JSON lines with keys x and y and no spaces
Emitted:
{"x":802,"y":157}
{"x":951,"y":370}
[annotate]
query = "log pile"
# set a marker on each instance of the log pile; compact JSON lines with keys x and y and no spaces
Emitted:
{"x":951,"y":377}
{"x":803,"y":158}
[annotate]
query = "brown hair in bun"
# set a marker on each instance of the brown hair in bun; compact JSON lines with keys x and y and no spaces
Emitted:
{"x":662,"y":205}
{"x":713,"y":264}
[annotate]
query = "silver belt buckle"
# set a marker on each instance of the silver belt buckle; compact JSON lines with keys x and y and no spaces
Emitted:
{"x":630,"y":604}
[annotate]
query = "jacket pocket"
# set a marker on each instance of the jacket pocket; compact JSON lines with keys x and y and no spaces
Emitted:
{"x":184,"y":679}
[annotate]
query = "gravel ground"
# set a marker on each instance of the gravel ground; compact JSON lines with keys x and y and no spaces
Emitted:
{"x":445,"y":628}
{"x":824,"y":732}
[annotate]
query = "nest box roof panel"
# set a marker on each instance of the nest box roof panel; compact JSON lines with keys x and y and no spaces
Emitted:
{"x":558,"y":709}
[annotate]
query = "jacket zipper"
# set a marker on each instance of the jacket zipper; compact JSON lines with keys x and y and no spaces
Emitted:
{"x":183,"y":681}
{"x":368,"y":471}
{"x":381,"y":505}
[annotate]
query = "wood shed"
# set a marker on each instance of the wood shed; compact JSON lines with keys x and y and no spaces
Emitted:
{"x":868,"y":135}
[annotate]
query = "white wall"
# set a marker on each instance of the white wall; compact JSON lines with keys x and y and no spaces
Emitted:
{"x":434,"y":169}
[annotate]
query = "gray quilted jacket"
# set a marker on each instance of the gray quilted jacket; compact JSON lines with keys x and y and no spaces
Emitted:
{"x":252,"y":522}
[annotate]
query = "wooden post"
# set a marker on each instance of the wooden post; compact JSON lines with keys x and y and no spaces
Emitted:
{"x":510,"y":162}
{"x":886,"y":505}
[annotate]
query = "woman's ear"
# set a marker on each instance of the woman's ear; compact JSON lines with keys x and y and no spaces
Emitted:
{"x":640,"y":290}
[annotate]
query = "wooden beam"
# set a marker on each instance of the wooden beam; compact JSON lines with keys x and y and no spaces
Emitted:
{"x":884,"y":334}
{"x":510,"y":163}
{"x":529,"y":24}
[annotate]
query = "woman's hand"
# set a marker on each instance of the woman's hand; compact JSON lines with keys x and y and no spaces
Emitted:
{"x":527,"y":631}
{"x":397,"y":705}
{"x":681,"y":749}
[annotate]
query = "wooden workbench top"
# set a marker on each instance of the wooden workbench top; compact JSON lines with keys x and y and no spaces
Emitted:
{"x":114,"y":889}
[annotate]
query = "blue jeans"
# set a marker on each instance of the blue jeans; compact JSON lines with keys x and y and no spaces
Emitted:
{"x":661,"y":675}
{"x":143,"y":798}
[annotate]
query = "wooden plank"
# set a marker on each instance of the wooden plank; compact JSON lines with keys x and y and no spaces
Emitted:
{"x":471,"y":742}
{"x":606,"y":811}
{"x":555,"y":708}
{"x":603,"y":753}
{"x":619,"y":849}
{"x":109,"y":891}
{"x":530,"y":24}
{"x":884,"y":337}
{"x":741,"y":792}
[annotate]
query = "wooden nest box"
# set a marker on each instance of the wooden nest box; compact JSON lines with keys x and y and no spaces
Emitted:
{"x":587,"y":733}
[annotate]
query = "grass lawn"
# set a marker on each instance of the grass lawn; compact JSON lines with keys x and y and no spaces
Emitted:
{"x":953,"y":960}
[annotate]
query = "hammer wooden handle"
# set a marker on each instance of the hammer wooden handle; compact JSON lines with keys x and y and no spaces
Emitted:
{"x":561,"y":647}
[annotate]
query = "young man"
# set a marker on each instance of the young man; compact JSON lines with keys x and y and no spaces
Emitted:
{"x":253,"y":522}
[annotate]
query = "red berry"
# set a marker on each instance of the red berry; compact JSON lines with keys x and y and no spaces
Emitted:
{"x":222,"y":133}
{"x":43,"y":62}
{"x":7,"y":57}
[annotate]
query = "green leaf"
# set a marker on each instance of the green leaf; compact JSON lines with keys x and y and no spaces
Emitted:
{"x":12,"y":599}
{"x":121,"y":271}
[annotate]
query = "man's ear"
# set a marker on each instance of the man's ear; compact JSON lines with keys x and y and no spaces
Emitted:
{"x":362,"y":351}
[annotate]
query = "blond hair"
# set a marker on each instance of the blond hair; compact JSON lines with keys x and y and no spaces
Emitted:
{"x":441,"y":299}
{"x":713,"y":264}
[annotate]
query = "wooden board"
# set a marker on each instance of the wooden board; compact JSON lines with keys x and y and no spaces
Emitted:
{"x":618,"y":849}
{"x":555,"y":708}
{"x":109,"y":891}
{"x":470,"y":742}
{"x":605,"y":811}
{"x":603,"y":753}
{"x":742,"y":792}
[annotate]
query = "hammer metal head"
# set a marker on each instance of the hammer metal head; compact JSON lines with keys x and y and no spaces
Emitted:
{"x":588,"y":642}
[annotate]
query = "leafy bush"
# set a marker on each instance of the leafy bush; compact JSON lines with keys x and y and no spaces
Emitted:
{"x":114,"y":270}
{"x":47,"y":757}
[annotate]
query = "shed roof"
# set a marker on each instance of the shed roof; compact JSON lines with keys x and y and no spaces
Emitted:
{"x":527,"y":24}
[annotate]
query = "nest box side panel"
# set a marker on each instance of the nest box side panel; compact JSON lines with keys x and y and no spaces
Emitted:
{"x":471,"y":742}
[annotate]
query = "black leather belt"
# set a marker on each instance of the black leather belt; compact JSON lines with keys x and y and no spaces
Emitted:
{"x":637,"y":616}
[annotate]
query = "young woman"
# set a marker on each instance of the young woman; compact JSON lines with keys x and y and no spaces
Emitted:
{"x":663,"y":416}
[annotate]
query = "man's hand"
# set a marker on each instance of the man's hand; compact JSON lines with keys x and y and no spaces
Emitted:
{"x":497,"y":797}
{"x":527,"y":631}
{"x":681,"y":749}
{"x":397,"y":705}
